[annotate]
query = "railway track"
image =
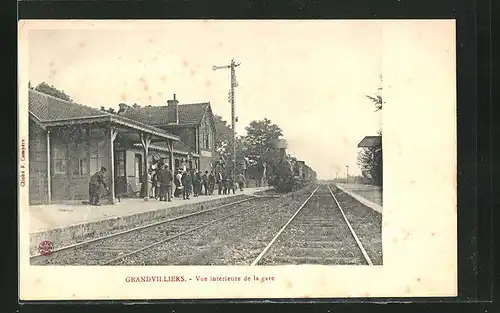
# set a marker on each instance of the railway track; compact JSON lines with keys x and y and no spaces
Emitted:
{"x":113,"y":248}
{"x":318,"y":233}
{"x":235,"y":241}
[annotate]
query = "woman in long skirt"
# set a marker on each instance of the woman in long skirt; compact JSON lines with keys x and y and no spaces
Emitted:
{"x":154,"y":184}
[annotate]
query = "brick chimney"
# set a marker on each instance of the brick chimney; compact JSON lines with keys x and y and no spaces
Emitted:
{"x":173,"y":110}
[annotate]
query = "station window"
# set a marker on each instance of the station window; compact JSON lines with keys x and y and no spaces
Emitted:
{"x":120,"y":164}
{"x":60,"y":159}
{"x":79,"y":166}
{"x":206,"y":139}
{"x":97,"y":154}
{"x":79,"y":160}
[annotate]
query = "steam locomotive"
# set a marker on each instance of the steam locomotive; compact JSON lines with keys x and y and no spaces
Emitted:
{"x":291,"y":174}
{"x":303,"y":173}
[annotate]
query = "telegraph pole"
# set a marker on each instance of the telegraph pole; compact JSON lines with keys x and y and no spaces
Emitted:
{"x":234,"y":84}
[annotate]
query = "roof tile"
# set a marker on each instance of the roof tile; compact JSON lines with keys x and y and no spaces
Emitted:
{"x":158,"y":115}
{"x":48,"y":108}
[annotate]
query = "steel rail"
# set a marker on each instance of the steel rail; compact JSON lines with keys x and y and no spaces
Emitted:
{"x":259,"y":257}
{"x":81,"y":244}
{"x":360,"y":245}
{"x":181,"y":234}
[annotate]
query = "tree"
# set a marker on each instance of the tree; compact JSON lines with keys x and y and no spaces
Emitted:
{"x":254,"y":152}
{"x":259,"y":144}
{"x":377,"y":99}
{"x":260,"y":136}
{"x":53,"y":91}
{"x":30,"y":86}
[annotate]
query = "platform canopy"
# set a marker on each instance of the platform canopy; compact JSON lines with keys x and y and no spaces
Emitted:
{"x":370,"y":141}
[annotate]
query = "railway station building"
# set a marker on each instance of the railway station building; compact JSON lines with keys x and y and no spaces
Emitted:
{"x":193,"y":123}
{"x":69,"y":142}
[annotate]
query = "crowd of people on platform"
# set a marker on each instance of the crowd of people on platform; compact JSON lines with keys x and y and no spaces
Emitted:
{"x":164,"y":185}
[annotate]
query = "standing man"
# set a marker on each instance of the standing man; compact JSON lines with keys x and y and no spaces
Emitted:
{"x":211,"y":183}
{"x":187,"y":182}
{"x":166,"y":178}
{"x":196,"y":183}
{"x":230,"y":184}
{"x":95,"y":186}
{"x":241,"y":181}
{"x":204,"y":180}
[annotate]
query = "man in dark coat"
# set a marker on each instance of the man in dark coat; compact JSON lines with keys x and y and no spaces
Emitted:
{"x":204,"y":180}
{"x":165,"y":177}
{"x":196,"y":183}
{"x":187,"y":182}
{"x":211,"y":183}
{"x":230,"y":184}
{"x":218,"y":180}
{"x":95,"y":186}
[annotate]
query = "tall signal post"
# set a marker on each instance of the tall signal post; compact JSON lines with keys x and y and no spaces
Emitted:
{"x":234,"y":84}
{"x":347,"y":173}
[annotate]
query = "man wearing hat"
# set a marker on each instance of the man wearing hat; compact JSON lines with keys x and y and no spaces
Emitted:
{"x":165,"y":177}
{"x":95,"y":186}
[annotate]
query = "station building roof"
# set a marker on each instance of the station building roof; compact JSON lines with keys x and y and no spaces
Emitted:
{"x":52,"y":111}
{"x":370,"y":141}
{"x":189,"y":114}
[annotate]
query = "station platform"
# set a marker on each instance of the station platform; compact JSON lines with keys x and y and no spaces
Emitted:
{"x":369,"y":195}
{"x":64,"y":222}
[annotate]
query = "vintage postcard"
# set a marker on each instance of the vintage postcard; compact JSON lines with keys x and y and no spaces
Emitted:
{"x":210,"y":159}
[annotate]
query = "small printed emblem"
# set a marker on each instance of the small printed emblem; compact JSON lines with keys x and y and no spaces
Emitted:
{"x":45,"y":247}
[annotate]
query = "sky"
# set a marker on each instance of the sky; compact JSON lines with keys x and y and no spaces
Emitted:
{"x":310,"y":78}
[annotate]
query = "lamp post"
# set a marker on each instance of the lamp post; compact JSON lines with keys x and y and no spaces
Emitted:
{"x":234,"y":84}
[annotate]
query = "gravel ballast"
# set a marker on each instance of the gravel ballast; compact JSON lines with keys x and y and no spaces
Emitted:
{"x":234,"y":241}
{"x":366,"y":222}
{"x":96,"y":252}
